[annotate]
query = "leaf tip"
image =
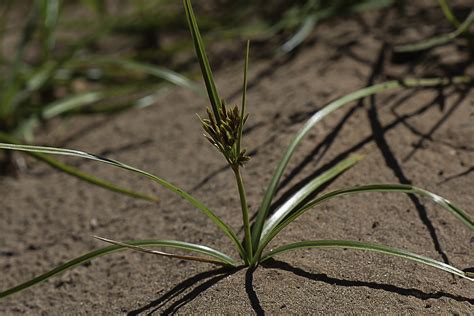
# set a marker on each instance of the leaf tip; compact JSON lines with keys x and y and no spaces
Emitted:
{"x":357,"y":157}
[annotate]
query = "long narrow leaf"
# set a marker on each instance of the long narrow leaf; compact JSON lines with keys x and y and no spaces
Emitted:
{"x":76,"y":153}
{"x":275,"y":224}
{"x":162,"y":253}
{"x":12,"y":85}
{"x":439,"y":40}
{"x":296,"y":199}
{"x":70,"y":103}
{"x":46,"y":72}
{"x":50,"y":16}
{"x":315,"y":11}
{"x":328,"y":109}
{"x":80,"y":174}
{"x":156,"y":71}
{"x":244,"y":96}
{"x":203,"y":61}
{"x":329,"y":244}
{"x":448,"y":13}
{"x":106,"y":250}
{"x":301,"y":34}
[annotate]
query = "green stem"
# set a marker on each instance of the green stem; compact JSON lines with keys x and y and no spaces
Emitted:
{"x":245,"y":215}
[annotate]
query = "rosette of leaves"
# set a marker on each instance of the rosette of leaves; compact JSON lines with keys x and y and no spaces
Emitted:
{"x":224,"y":130}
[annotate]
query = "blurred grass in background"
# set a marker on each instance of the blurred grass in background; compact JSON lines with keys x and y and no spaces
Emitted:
{"x":94,"y":56}
{"x":60,"y":57}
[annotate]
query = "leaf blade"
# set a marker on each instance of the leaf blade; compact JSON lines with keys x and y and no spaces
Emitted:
{"x":193,"y":201}
{"x":203,"y":60}
{"x":273,"y":230}
{"x":58,"y":165}
{"x":114,"y":248}
{"x":70,"y":103}
{"x":368,"y":247}
{"x":296,"y":199}
{"x":325,"y":111}
{"x":154,"y":70}
{"x":438,"y":40}
{"x":162,"y":253}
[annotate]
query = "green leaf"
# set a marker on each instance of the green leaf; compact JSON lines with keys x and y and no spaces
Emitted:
{"x":76,"y":153}
{"x":80,"y":174}
{"x":329,"y":244}
{"x":301,"y":34}
{"x":12,"y":85}
{"x":40,"y":76}
{"x":156,"y":71}
{"x":296,"y":199}
{"x":244,"y":97}
{"x":448,"y":13}
{"x":328,"y":109}
{"x":224,"y":259}
{"x":274,"y":225}
{"x":203,"y":61}
{"x":315,"y":11}
{"x":50,"y":15}
{"x":70,"y":103}
{"x":439,"y":40}
{"x":221,"y":257}
{"x":15,"y":91}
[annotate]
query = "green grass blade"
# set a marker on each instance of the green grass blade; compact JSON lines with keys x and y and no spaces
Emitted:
{"x":328,"y":109}
{"x":25,"y":130}
{"x":300,"y":35}
{"x":331,"y":244}
{"x":297,"y":198}
{"x":223,"y":261}
{"x":13,"y":83}
{"x":70,"y":103}
{"x":271,"y":230}
{"x":308,"y":189}
{"x":93,"y":180}
{"x":438,"y":40}
{"x":402,"y":188}
{"x":111,"y":100}
{"x":153,"y":70}
{"x":116,"y":105}
{"x":244,"y":96}
{"x":50,"y":15}
{"x":40,"y":76}
{"x":80,"y":174}
{"x":315,"y":12}
{"x":448,"y":13}
{"x":49,"y":68}
{"x":76,"y":153}
{"x":114,"y":248}
{"x":203,"y":61}
{"x":15,"y":92}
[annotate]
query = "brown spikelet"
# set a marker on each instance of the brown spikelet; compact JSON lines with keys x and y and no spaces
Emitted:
{"x":224,"y":136}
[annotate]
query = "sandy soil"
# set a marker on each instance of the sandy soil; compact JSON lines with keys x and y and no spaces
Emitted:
{"x":422,"y":137}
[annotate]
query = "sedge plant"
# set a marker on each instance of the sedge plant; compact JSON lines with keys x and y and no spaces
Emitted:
{"x":223,"y":128}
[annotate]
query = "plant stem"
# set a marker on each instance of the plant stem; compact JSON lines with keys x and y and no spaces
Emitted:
{"x":245,"y":214}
